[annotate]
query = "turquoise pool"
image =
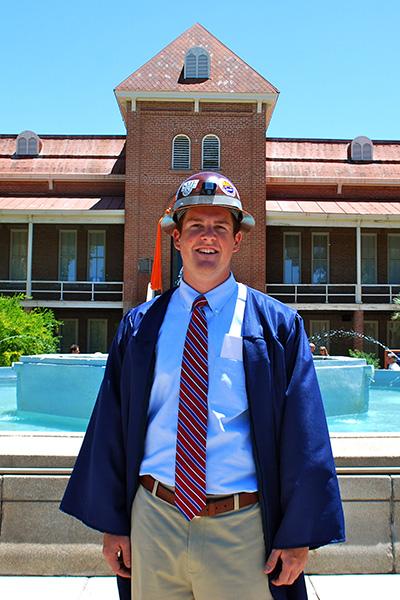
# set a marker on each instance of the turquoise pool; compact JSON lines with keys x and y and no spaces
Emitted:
{"x":383,"y":414}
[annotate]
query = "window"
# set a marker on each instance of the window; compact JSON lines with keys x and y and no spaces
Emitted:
{"x":69,"y":334}
{"x":320,"y":258}
{"x":197,"y":64}
{"x":368,"y":258}
{"x":361,"y":148}
{"x":97,"y":335}
{"x":210,"y":152}
{"x":394,"y":258}
{"x":181,"y":152}
{"x":393,"y":334}
{"x":67,"y":255}
{"x":96,"y":255}
{"x":291,"y":258}
{"x":318,"y":327}
{"x":371,"y":329}
{"x":18,"y":254}
{"x":28,"y":144}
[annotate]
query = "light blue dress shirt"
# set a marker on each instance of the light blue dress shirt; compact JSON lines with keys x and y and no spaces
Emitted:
{"x":230,"y":463}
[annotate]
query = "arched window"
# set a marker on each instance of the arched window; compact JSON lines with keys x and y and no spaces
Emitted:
{"x":361,"y":148}
{"x":197,"y":64}
{"x":181,"y":152}
{"x":210,"y":152}
{"x":28,"y":144}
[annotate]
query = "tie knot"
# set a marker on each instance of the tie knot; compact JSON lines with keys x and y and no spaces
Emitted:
{"x":199,"y":302}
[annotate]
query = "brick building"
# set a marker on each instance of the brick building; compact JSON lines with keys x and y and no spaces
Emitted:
{"x":78,"y":213}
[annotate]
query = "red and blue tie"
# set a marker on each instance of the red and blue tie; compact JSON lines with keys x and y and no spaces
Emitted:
{"x":190,"y":465}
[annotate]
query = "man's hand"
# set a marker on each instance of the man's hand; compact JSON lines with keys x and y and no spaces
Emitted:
{"x":293,"y":563}
{"x":117,"y":552}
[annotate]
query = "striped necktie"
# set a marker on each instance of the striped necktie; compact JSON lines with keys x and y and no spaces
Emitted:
{"x":190,"y":464}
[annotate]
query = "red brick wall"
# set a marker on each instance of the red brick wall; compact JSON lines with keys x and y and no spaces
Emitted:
{"x":151,"y":183}
{"x":342,"y":252}
{"x":46,"y":249}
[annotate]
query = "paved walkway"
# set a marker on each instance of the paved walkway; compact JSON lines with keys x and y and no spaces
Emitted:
{"x":320,"y":587}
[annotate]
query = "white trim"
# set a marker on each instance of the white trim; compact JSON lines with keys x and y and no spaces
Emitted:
{"x":61,"y":176}
{"x":359,"y":181}
{"x":325,"y":234}
{"x":103,"y":231}
{"x":306,"y":219}
{"x":29,"y":260}
{"x":185,"y":96}
{"x":89,"y":304}
{"x":75,"y":232}
{"x":109,"y":217}
{"x":358,"y":265}
{"x":183,"y":135}
{"x":285,"y":234}
{"x":343,"y":307}
{"x":211,"y":135}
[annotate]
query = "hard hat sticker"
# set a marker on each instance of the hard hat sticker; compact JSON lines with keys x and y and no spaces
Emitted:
{"x":227,"y":187}
{"x":188,"y":186}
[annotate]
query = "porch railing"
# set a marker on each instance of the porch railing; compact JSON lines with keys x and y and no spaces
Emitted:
{"x":332,"y":293}
{"x":89,"y":291}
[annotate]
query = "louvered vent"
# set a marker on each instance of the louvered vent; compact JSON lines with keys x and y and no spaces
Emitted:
{"x":211,"y":158}
{"x":203,"y":66}
{"x":361,"y":148}
{"x":191,"y":66}
{"x":197,"y":64}
{"x":181,"y":152}
{"x":28,"y":144}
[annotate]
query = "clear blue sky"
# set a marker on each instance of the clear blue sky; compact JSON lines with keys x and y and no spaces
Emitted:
{"x":336,"y":64}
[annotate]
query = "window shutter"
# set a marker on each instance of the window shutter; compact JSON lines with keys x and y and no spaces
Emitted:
{"x":211,"y":158}
{"x":181,"y":152}
{"x":32,"y":146}
{"x":190,"y":66}
{"x":203,"y":66}
{"x":22,"y":145}
{"x":367,"y":152}
{"x":357,"y":151}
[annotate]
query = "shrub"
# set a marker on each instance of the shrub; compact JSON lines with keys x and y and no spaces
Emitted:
{"x":25,"y":331}
{"x":370,"y":357}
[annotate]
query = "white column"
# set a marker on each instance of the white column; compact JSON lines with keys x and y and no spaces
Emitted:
{"x":29,"y":261}
{"x":358,"y":264}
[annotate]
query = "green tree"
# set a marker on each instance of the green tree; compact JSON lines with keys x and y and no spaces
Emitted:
{"x":370,"y":357}
{"x":25,"y":332}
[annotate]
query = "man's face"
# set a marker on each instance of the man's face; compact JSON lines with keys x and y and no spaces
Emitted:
{"x":207,"y":244}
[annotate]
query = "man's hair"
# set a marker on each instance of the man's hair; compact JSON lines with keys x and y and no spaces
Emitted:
{"x":179,"y":222}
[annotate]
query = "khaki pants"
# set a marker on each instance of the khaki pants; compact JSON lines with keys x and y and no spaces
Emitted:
{"x":210,"y":558}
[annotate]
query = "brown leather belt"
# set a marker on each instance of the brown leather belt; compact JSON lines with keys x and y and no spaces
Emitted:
{"x":213,"y":507}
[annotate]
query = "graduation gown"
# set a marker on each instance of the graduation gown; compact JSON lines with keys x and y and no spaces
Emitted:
{"x":297,"y":484}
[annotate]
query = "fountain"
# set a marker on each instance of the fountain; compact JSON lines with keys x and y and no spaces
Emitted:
{"x":63,"y":385}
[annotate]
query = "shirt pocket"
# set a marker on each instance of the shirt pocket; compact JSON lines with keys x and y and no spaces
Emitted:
{"x":227,"y":394}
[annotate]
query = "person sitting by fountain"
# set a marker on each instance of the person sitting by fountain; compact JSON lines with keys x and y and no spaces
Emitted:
{"x":312,"y":347}
{"x":74,"y":349}
{"x":392,"y":362}
{"x":323,"y":351}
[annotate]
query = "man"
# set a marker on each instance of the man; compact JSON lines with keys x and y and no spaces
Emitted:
{"x":392,"y":362}
{"x":210,"y":423}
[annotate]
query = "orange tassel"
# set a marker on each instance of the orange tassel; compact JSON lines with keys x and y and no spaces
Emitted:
{"x":156,"y":274}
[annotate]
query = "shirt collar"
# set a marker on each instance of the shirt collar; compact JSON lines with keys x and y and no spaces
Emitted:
{"x":216,"y":297}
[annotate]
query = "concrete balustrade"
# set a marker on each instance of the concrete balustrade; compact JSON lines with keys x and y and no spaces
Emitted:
{"x":37,"y":539}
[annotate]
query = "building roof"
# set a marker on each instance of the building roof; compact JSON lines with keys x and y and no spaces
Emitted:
{"x":66,"y":154}
{"x":33,"y":203}
{"x":312,"y":207}
{"x":164,"y":72}
{"x":329,"y":159}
